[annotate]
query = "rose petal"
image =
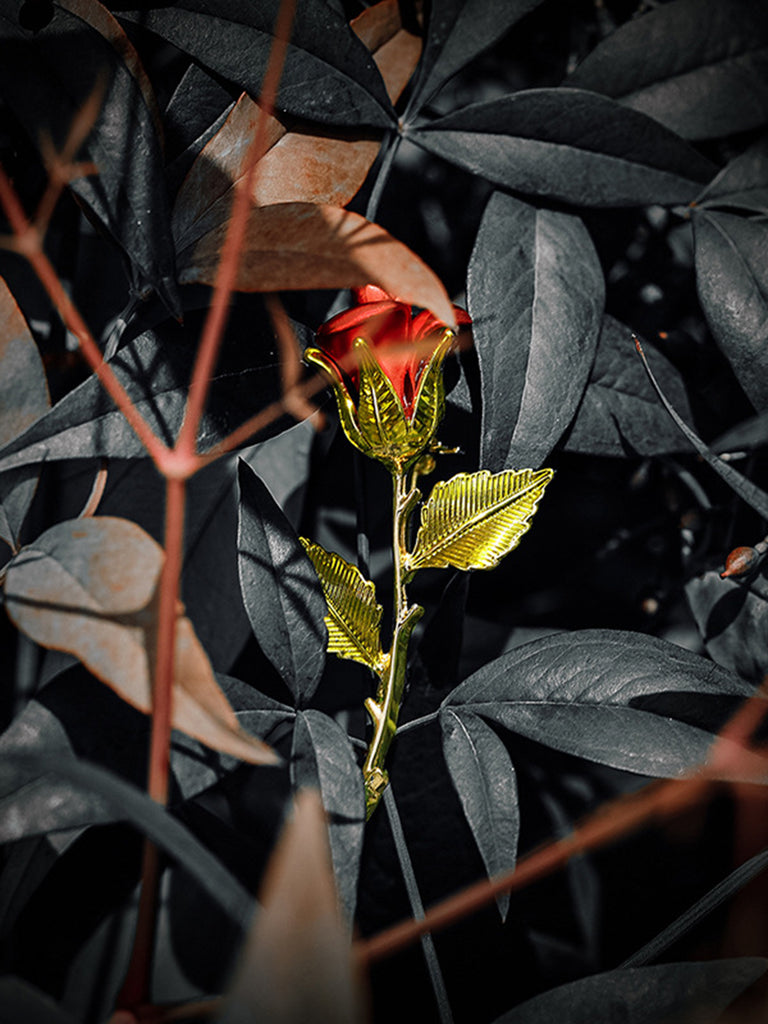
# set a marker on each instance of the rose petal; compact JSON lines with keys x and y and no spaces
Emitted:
{"x":352,"y":318}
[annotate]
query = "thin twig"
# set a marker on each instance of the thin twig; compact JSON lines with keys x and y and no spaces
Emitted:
{"x":226,"y":274}
{"x":29,"y":243}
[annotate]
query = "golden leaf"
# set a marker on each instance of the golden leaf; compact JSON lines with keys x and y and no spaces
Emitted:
{"x":473,"y":520}
{"x":353,"y":612}
{"x":380,"y":412}
{"x":429,"y":406}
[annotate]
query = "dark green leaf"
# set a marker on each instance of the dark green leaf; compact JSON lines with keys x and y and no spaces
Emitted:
{"x":282,"y":594}
{"x":585,"y":693}
{"x":732,"y":281}
{"x":484,"y":778}
{"x":46,"y":76}
{"x":198,"y":101}
{"x":688,"y":993}
{"x":743,"y":182}
{"x":535,"y":293}
{"x":620,"y":414}
{"x":329,"y":76}
{"x":733,"y":621}
{"x":700,"y":68}
{"x":17,"y":489}
{"x":569,"y":144}
{"x":457,"y":32}
{"x":751,"y":433}
{"x":23,"y":398}
{"x":42,"y":794}
{"x":19,"y":1001}
{"x":23,"y":387}
{"x":154,"y":368}
{"x":323,"y":757}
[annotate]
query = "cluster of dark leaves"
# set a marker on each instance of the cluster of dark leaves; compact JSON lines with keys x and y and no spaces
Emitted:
{"x":573,"y":173}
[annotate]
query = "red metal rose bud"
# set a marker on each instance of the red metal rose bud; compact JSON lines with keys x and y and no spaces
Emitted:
{"x":401,"y":344}
{"x":394,"y":363}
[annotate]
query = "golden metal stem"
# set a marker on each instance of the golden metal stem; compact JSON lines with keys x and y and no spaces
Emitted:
{"x":385,"y":710}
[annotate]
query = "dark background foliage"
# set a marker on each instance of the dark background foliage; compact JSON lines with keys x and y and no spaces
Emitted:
{"x":573,"y":173}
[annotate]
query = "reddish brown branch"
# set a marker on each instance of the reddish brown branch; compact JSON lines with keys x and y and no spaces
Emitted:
{"x":29,"y":243}
{"x":659,"y":800}
{"x":226,"y":275}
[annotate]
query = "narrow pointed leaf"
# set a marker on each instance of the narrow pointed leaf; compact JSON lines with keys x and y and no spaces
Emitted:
{"x":353,"y":613}
{"x":738,"y":483}
{"x":484,"y":778}
{"x":292,"y":246}
{"x":732,"y":282}
{"x":328,"y":76}
{"x":697,"y":67}
{"x":569,"y":144}
{"x":457,"y":32}
{"x":323,"y":758}
{"x":474,"y":519}
{"x":88,"y":587}
{"x":282,"y":596}
{"x":688,"y":993}
{"x":535,"y":292}
{"x":296,"y":964}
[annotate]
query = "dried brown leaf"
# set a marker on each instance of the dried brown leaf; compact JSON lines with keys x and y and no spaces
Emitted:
{"x":395,"y":50}
{"x":296,"y":166}
{"x":205,"y":197}
{"x":89,"y":587}
{"x":303,"y":245}
{"x":297,"y":963}
{"x":304,"y":167}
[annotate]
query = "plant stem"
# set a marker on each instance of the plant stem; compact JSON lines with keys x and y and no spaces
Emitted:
{"x":417,"y":908}
{"x":381,"y":178}
{"x":385,"y":710}
{"x":136,"y":987}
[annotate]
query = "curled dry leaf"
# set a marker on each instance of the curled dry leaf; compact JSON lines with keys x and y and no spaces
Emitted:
{"x":292,"y":246}
{"x":297,"y":964}
{"x":88,"y":586}
{"x":295,"y":166}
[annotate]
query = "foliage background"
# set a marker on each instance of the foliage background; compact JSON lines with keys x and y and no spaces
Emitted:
{"x":612,"y":181}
